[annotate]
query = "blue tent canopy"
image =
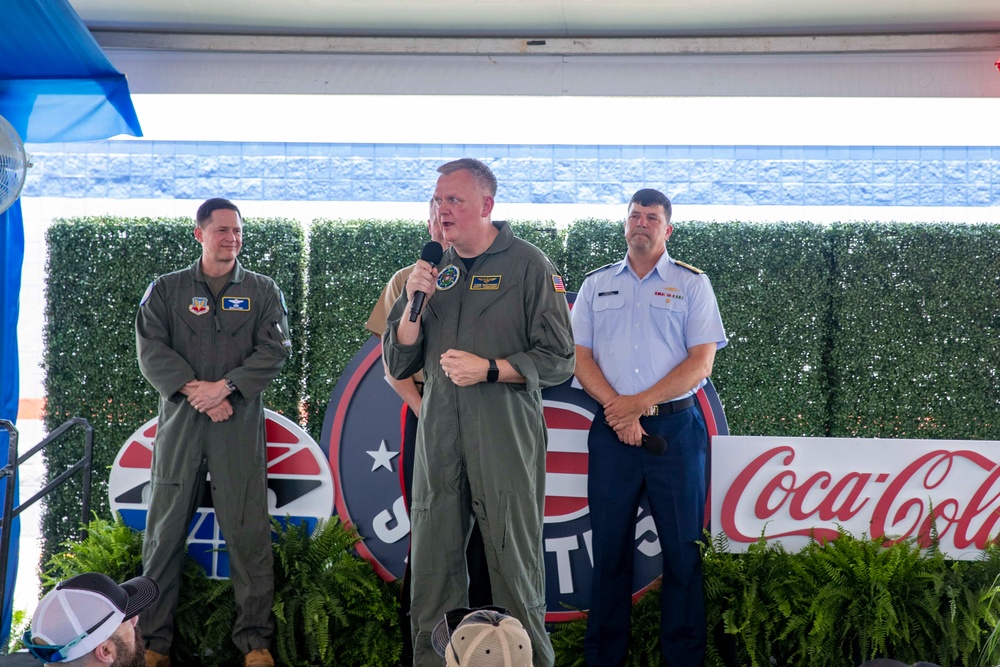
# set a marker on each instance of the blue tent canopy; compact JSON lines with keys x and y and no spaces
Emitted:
{"x":56,"y":85}
{"x":55,"y":82}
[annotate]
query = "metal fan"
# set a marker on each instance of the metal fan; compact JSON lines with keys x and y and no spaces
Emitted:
{"x":13,"y":165}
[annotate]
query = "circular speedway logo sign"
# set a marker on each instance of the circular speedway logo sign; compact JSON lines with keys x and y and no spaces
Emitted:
{"x":299,"y":487}
{"x":362,"y":434}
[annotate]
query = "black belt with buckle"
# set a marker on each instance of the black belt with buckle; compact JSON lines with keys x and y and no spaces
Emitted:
{"x":669,"y":408}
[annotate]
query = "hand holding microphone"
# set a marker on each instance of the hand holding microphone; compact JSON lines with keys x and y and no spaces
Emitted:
{"x":652,"y":443}
{"x":431,"y":254}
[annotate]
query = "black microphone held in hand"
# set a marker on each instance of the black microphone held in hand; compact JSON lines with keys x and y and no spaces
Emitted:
{"x":654,"y":444}
{"x":431,"y":254}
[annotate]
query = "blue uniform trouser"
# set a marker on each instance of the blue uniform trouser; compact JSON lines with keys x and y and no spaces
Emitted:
{"x":675,"y":483}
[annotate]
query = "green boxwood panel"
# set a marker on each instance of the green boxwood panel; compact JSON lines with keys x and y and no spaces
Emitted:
{"x":917,"y":322}
{"x":546,"y":237}
{"x":350,"y":262}
{"x":772,"y":284}
{"x":850,"y":330}
{"x":592,"y":243}
{"x":98,"y":269}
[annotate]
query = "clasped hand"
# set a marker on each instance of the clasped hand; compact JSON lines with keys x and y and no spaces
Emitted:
{"x":210,"y":398}
{"x":622,"y":414}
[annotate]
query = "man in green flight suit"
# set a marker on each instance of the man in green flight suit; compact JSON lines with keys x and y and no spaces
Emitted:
{"x":209,"y":339}
{"x":494,"y":330}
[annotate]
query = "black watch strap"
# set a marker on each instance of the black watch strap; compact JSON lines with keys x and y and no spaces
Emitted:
{"x":231,"y":386}
{"x":493,"y":374}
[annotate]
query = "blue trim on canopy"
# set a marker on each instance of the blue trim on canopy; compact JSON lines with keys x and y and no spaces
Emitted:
{"x":56,"y":85}
{"x":11,"y":260}
{"x":55,"y":82}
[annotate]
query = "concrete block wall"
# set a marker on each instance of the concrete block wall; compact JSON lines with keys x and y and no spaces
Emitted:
{"x":816,"y":176}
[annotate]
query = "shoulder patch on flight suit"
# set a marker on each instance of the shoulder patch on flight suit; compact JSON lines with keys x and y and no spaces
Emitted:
{"x":448,"y":277}
{"x":692,"y":269}
{"x":600,"y":268}
{"x":281,"y":297}
{"x":558,"y":284}
{"x":145,"y":295}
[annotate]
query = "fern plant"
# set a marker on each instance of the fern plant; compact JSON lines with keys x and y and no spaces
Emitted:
{"x":19,"y":621}
{"x":832,"y":604}
{"x":330,"y":605}
{"x":111,"y":547}
{"x":206,"y":613}
{"x":567,"y":643}
{"x":865,"y":600}
{"x":741,"y":600}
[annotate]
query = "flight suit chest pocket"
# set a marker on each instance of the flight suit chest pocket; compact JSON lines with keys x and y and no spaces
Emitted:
{"x":236,"y":338}
{"x":610,"y":316}
{"x":499,"y":308}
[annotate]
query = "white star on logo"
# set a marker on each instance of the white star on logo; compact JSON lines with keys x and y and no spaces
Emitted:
{"x":382,"y":457}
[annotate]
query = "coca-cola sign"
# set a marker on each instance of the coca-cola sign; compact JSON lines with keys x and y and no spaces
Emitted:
{"x":794,"y":489}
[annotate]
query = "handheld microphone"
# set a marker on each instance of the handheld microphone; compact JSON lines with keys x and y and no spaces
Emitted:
{"x":431,"y":254}
{"x":654,"y":444}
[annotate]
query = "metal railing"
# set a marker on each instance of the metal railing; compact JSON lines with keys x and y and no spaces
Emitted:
{"x":10,"y":472}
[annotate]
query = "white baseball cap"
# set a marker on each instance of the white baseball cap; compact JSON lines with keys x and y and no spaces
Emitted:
{"x":83,"y":611}
{"x":484,"y":637}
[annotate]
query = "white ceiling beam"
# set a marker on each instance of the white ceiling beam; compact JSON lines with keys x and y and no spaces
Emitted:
{"x":919,"y":75}
{"x":809,"y":44}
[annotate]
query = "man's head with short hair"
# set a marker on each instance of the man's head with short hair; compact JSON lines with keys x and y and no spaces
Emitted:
{"x":90,"y":620}
{"x":651,"y":197}
{"x":482,"y":174}
{"x":464,"y":195}
{"x":210,"y":206}
{"x":484,"y":637}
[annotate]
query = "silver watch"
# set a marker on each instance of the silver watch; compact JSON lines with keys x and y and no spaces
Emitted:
{"x":231,"y":386}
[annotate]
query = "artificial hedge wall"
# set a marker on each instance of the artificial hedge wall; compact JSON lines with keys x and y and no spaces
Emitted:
{"x":853,"y":329}
{"x":916,"y":340}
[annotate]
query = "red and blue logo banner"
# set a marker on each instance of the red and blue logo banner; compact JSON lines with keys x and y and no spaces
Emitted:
{"x":299,"y":487}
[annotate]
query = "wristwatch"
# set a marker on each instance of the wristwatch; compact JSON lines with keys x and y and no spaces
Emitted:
{"x":493,"y":374}
{"x":231,"y":386}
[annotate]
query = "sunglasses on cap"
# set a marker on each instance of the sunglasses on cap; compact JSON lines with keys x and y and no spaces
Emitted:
{"x":49,"y":653}
{"x":456,"y":616}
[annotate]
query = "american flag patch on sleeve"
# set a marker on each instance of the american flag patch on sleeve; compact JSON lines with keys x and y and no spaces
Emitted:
{"x":557,"y":283}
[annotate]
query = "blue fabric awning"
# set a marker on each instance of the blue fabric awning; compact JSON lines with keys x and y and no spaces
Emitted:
{"x":56,"y":85}
{"x":55,"y":82}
